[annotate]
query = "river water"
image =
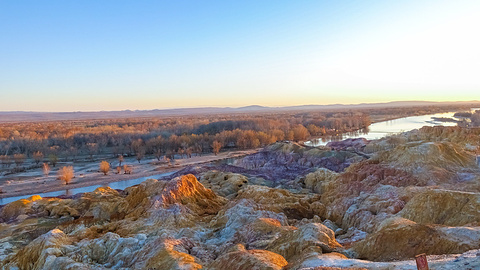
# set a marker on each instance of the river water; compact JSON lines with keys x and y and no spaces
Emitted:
{"x":115,"y":185}
{"x":385,"y":128}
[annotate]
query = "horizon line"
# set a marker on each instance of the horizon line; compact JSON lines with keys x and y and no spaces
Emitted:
{"x":245,"y":106}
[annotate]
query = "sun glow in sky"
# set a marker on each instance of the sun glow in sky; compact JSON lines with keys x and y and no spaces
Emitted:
{"x":115,"y":55}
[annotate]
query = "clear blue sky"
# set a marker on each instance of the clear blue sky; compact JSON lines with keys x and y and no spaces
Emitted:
{"x":114,"y":55}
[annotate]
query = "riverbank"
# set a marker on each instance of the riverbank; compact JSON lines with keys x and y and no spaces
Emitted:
{"x":88,"y":174}
{"x":388,"y":127}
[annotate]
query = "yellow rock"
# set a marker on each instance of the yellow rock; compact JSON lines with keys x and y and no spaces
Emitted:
{"x":169,"y":258}
{"x":399,"y":238}
{"x":312,"y":235}
{"x":33,"y":255}
{"x":315,"y":181}
{"x":224,"y":184}
{"x":188,"y":191}
{"x":242,"y":259}
{"x":16,"y":208}
{"x":446,"y":207}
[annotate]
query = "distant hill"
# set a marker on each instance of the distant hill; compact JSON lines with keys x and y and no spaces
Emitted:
{"x":19,"y":116}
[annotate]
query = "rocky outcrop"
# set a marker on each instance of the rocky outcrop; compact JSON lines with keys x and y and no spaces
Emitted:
{"x":445,"y":207}
{"x":39,"y":253}
{"x":259,"y":233}
{"x":315,"y":180}
{"x":357,"y":144}
{"x":294,"y":206}
{"x":169,"y":257}
{"x":224,"y":184}
{"x":17,"y":208}
{"x":411,"y":238}
{"x":186,"y":190}
{"x":287,"y":161}
{"x":312,"y":237}
{"x":289,"y":207}
{"x":434,"y":162}
{"x":366,"y":194}
{"x":241,"y":259}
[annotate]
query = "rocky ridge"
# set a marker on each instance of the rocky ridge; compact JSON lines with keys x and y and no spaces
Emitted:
{"x":416,"y":196}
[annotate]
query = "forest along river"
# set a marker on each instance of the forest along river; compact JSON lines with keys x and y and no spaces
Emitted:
{"x":375,"y":131}
{"x":385,"y":128}
{"x":115,"y":185}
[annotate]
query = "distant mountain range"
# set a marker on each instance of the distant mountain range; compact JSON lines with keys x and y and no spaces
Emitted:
{"x":17,"y":116}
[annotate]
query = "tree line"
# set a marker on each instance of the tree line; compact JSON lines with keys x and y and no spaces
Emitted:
{"x":165,"y":137}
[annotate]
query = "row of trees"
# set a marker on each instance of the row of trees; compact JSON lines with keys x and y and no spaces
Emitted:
{"x":184,"y":136}
{"x":66,"y":173}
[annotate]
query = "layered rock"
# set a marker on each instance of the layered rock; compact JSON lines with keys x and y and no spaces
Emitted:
{"x":312,"y":237}
{"x":294,"y":206}
{"x":17,"y":208}
{"x":315,"y":181}
{"x":186,"y":190}
{"x":38,"y":253}
{"x":224,"y":184}
{"x":281,"y":162}
{"x":241,"y":259}
{"x":411,"y":238}
{"x":356,"y":144}
{"x":446,"y":207}
{"x":366,"y":194}
{"x":377,"y":209}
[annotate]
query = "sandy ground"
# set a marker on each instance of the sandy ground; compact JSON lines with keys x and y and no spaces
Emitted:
{"x":88,"y":174}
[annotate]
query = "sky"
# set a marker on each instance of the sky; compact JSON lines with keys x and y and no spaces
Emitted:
{"x":85,"y":55}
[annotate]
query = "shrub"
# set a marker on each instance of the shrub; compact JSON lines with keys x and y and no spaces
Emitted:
{"x":66,"y":174}
{"x":104,"y":167}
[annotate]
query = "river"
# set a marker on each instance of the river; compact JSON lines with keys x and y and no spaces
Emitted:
{"x":115,"y":185}
{"x":385,"y":128}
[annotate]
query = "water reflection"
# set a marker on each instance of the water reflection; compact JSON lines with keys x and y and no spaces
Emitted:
{"x":382,"y":129}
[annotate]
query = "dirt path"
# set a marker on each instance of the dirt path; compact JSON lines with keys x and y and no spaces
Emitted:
{"x":88,"y":174}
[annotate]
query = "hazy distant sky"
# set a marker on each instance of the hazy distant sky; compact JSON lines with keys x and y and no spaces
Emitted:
{"x":109,"y":55}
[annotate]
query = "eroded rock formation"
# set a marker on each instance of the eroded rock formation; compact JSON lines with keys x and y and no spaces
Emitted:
{"x":286,"y":207}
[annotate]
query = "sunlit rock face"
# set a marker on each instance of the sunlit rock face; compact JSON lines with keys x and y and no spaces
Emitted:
{"x":238,"y":258}
{"x":176,"y":224}
{"x":312,"y":237}
{"x":409,"y":197}
{"x":14,"y":209}
{"x":186,"y":190}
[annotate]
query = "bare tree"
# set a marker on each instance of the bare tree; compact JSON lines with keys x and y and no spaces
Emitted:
{"x":46,"y":169}
{"x":92,"y":149}
{"x":19,"y":159}
{"x":6,"y":160}
{"x":120,"y":160}
{"x":104,"y":167}
{"x":53,"y":159}
{"x":139,"y":149}
{"x":38,"y":157}
{"x":216,"y":145}
{"x":140,"y":154}
{"x":66,"y":174}
{"x":158,"y":154}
